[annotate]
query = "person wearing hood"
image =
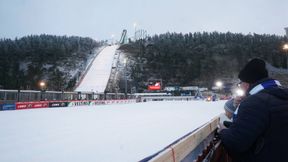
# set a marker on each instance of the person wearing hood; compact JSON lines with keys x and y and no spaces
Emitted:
{"x":259,"y":130}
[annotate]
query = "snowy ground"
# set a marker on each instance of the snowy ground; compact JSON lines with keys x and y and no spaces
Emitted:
{"x":98,"y":75}
{"x":122,"y":133}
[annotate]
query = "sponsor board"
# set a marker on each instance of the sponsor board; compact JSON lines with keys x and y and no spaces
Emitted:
{"x":7,"y":107}
{"x":190,"y":88}
{"x":58,"y":104}
{"x":109,"y":102}
{"x":78,"y":103}
{"x":154,"y":85}
{"x":31,"y":105}
{"x":46,"y":104}
{"x":93,"y":103}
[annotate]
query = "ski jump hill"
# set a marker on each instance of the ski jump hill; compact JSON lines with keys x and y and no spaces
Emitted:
{"x":97,"y":77}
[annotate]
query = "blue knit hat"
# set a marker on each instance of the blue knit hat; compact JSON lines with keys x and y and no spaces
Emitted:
{"x":229,"y":106}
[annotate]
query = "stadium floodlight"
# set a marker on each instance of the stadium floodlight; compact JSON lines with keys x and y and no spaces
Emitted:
{"x":42,"y":84}
{"x":219,"y":84}
{"x":239,"y":92}
{"x":112,"y":38}
{"x":285,"y":47}
{"x":135,"y":25}
{"x":125,"y":75}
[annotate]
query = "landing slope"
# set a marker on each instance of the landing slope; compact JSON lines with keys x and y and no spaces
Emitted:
{"x":98,"y":75}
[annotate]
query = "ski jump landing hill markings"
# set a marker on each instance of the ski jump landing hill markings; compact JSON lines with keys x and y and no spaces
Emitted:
{"x":98,"y":75}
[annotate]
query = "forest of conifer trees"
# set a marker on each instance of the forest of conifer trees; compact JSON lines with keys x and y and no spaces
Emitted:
{"x":175,"y":58}
{"x":25,"y":61}
{"x":200,"y":58}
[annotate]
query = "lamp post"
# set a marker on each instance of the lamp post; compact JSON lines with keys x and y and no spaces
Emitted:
{"x":285,"y":48}
{"x":219,"y":85}
{"x":42,"y":85}
{"x":135,"y":24}
{"x":125,"y":65}
{"x":112,"y":39}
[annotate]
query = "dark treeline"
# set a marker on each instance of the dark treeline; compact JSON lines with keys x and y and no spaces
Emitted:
{"x":200,"y":58}
{"x":25,"y":61}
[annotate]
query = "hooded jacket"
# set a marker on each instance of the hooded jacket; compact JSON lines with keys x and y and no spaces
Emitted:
{"x":260,"y":132}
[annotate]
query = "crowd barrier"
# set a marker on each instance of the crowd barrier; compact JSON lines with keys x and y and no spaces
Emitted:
{"x":7,"y":107}
{"x":187,"y":147}
{"x":55,"y":104}
{"x":195,"y":146}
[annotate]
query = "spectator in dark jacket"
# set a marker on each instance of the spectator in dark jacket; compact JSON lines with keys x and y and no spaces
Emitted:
{"x":259,"y":133}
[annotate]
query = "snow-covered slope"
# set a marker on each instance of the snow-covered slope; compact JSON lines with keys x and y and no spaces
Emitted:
{"x":104,"y":133}
{"x":98,"y":75}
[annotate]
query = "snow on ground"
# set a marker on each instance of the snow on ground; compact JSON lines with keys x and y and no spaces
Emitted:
{"x":98,"y":75}
{"x":105,"y":133}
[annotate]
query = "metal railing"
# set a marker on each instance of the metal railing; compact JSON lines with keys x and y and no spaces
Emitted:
{"x":12,"y":96}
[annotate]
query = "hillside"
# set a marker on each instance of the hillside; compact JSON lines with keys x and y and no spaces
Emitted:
{"x":201,"y":58}
{"x":58,"y":60}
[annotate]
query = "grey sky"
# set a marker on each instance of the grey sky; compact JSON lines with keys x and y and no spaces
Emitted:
{"x":100,"y":19}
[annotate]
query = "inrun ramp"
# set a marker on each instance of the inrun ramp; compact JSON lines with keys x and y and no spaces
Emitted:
{"x":98,"y":75}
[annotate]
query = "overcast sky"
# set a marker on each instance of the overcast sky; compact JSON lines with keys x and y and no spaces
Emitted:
{"x":99,"y":19}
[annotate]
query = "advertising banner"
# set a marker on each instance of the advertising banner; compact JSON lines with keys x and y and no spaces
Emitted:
{"x":47,"y":104}
{"x":154,"y":85}
{"x":31,"y":105}
{"x":7,"y":107}
{"x":58,"y":104}
{"x":78,"y":103}
{"x":92,"y":103}
{"x":189,"y":88}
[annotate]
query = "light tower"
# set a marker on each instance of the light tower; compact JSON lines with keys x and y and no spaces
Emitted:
{"x":135,"y":25}
{"x":286,"y":29}
{"x":285,"y":47}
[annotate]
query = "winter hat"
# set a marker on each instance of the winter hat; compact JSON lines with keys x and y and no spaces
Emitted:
{"x":253,"y":71}
{"x":229,"y":106}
